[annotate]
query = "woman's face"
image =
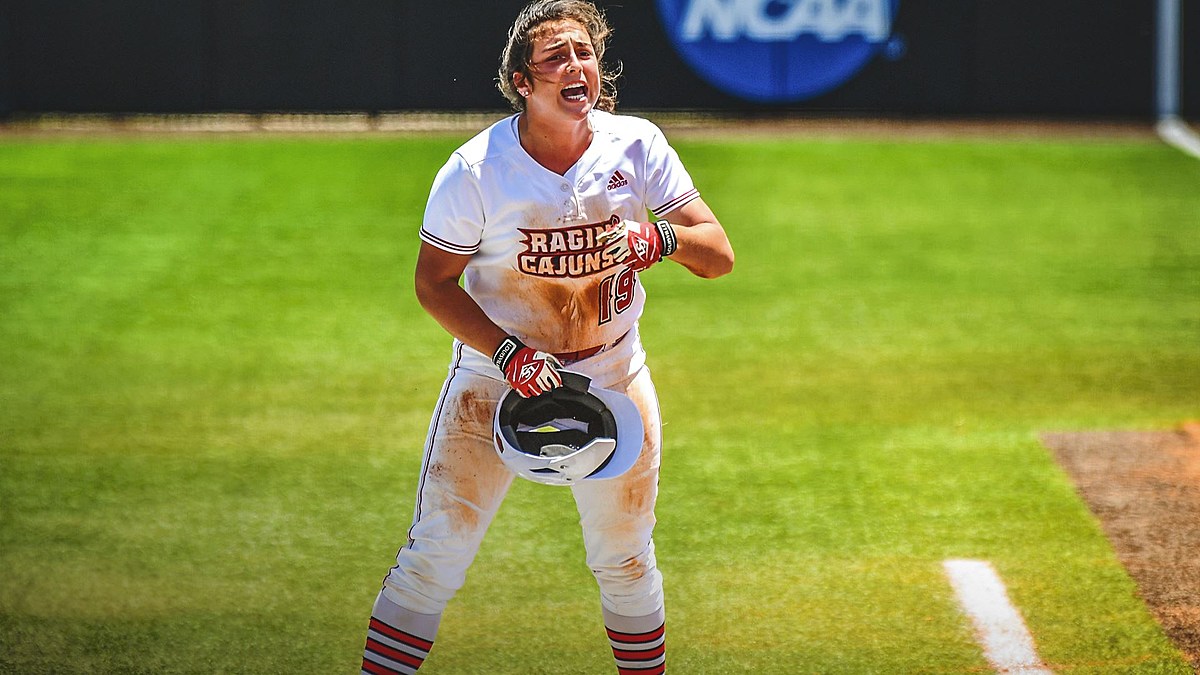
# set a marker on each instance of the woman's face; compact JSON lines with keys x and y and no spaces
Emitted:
{"x":565,"y":74}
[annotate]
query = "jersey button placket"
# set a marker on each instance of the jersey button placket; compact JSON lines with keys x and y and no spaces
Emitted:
{"x":570,"y":208}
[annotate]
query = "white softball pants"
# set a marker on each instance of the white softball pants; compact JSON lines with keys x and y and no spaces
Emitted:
{"x":463,"y":483}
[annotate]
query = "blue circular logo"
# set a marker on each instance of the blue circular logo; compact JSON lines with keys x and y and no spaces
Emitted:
{"x":777,"y":50}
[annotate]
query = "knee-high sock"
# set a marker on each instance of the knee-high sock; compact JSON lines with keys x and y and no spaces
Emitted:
{"x":638,"y":643}
{"x":398,"y":640}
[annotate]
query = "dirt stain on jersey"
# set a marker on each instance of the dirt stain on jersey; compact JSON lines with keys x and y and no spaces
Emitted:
{"x":562,"y":315}
{"x":581,"y":314}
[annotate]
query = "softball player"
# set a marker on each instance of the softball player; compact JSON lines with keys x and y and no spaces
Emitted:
{"x":542,"y":217}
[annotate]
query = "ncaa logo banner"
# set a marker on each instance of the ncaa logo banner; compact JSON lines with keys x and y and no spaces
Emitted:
{"x":777,"y":50}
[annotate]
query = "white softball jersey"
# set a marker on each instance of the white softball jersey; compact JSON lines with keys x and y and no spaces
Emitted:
{"x":536,"y":268}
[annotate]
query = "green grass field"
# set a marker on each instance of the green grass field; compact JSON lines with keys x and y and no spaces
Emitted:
{"x":215,"y":383}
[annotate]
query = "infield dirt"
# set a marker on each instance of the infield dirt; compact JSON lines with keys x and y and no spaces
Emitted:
{"x":1145,"y":489}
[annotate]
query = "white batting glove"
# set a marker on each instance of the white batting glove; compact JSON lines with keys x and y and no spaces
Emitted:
{"x":639,"y":245}
{"x":528,"y":371}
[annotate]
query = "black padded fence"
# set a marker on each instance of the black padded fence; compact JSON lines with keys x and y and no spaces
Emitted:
{"x":1078,"y":58}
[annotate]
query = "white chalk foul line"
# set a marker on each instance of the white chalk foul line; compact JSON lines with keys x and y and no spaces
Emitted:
{"x":1178,"y":134}
{"x":1001,"y":631}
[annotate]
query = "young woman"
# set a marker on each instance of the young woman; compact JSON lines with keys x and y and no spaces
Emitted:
{"x":543,"y":219}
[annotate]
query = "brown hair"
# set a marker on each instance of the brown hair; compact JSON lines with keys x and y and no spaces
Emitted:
{"x":518,"y":50}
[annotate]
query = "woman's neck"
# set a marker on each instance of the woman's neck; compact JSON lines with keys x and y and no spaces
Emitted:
{"x":554,"y":145}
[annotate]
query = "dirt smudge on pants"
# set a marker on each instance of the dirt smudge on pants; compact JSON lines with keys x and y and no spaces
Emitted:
{"x":467,"y":478}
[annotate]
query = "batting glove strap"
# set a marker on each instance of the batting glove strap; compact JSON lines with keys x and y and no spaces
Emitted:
{"x":508,"y":348}
{"x":528,"y":371}
{"x":666,"y":232}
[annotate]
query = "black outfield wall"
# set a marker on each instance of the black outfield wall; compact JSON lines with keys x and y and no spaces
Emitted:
{"x":1080,"y":58}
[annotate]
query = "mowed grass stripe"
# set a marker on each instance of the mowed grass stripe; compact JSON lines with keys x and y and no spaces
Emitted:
{"x":215,"y":383}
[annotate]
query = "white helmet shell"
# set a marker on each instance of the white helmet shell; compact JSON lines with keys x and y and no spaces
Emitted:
{"x":571,"y":433}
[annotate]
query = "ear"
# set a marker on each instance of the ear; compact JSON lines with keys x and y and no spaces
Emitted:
{"x":521,"y":84}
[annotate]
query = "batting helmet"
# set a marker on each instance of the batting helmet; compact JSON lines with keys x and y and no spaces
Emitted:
{"x":570,"y":433}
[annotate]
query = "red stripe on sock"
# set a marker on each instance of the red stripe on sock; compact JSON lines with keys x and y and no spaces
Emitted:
{"x":394,"y":654}
{"x":376,"y":669}
{"x":400,"y":636}
{"x":642,"y":655}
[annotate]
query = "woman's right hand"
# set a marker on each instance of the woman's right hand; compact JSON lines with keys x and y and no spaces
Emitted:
{"x":530,"y":372}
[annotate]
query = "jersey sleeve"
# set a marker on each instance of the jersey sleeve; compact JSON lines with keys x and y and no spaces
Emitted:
{"x":454,"y":213}
{"x":668,"y":184}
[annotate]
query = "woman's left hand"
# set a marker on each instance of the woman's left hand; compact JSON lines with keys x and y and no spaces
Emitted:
{"x":639,"y":245}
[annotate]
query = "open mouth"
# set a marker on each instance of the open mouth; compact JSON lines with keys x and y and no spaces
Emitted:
{"x":575,"y":92}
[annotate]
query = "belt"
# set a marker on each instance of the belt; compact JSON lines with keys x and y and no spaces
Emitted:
{"x":571,"y":357}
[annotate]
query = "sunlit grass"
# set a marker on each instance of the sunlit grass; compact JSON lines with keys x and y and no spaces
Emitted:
{"x":215,"y":384}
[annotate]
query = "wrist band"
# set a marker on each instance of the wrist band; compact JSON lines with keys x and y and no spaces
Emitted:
{"x":504,"y":353}
{"x":667,"y":233}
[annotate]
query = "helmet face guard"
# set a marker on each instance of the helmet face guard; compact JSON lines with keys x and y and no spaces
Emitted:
{"x":571,"y":433}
